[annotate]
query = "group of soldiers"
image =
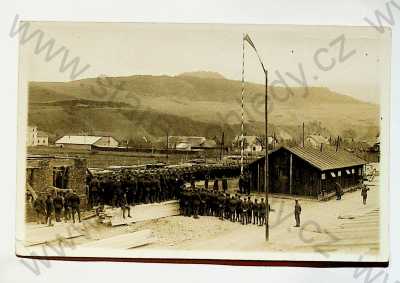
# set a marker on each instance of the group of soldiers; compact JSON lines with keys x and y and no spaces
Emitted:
{"x":125,"y":187}
{"x":235,"y":207}
{"x":60,"y":204}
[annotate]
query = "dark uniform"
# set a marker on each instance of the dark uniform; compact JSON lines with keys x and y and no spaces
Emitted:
{"x":232,"y":208}
{"x":40,"y":209}
{"x":339,"y":192}
{"x":364,"y":193}
{"x":216,"y":185}
{"x":58,"y":206}
{"x":255,"y":208}
{"x":245,"y":209}
{"x":241,"y":183}
{"x":203,"y":207}
{"x":262,"y":212}
{"x":249,"y":210}
{"x":297,"y":212}
{"x":123,"y":203}
{"x":49,"y":209}
{"x":239,"y":208}
{"x":224,"y":184}
{"x":93,"y":194}
{"x":196,"y":200}
{"x":75,"y":206}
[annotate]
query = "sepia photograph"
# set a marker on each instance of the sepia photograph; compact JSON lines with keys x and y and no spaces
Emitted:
{"x":213,"y":142}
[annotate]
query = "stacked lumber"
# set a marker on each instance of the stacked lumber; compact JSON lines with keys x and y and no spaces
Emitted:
{"x":142,"y":212}
{"x":42,"y":233}
{"x":124,"y":241}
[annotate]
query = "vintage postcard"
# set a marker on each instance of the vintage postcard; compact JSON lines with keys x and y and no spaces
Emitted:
{"x":203,"y":142}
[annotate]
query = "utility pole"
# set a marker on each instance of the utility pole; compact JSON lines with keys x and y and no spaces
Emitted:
{"x":222,"y":146}
{"x":266,"y":177}
{"x":303,"y":136}
{"x":167,"y":145}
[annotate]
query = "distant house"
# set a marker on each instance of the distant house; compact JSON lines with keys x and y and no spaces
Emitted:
{"x":35,"y":138}
{"x":316,"y":141}
{"x":250,"y":143}
{"x":87,"y":142}
{"x":42,"y":139}
{"x":190,"y":143}
{"x":253,"y":144}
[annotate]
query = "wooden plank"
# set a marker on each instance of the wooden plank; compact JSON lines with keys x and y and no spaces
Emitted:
{"x":144,"y":212}
{"x":124,"y":241}
{"x":41,"y":235}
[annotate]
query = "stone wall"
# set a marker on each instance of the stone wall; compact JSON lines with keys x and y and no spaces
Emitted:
{"x":40,"y":175}
{"x":77,"y":179}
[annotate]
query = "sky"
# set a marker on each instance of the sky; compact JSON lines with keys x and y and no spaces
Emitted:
{"x":124,"y":49}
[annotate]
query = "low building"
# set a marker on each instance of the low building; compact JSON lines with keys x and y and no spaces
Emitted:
{"x":307,"y":171}
{"x":87,"y":142}
{"x":253,"y":144}
{"x":42,"y":139}
{"x":316,"y":141}
{"x":190,"y":143}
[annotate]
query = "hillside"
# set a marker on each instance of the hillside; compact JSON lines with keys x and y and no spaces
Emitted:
{"x":189,"y":101}
{"x":203,"y":75}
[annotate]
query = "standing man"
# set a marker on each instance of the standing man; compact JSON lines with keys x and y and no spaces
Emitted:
{"x":206,"y":178}
{"x":67,"y":206}
{"x":224,"y":184}
{"x":239,"y":209}
{"x":196,"y":203}
{"x":123,"y":202}
{"x":338,"y":191}
{"x":249,"y":210}
{"x":232,"y":207}
{"x":39,"y":207}
{"x":364,"y":192}
{"x":262,"y":211}
{"x":49,"y":209}
{"x":58,"y":206}
{"x":255,"y":209}
{"x":245,"y":209}
{"x":93,"y":192}
{"x":297,"y":212}
{"x":241,"y":183}
{"x":216,"y":186}
{"x":75,"y":206}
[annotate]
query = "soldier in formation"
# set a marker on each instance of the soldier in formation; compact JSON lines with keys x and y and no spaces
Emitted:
{"x":195,"y":202}
{"x":39,"y":206}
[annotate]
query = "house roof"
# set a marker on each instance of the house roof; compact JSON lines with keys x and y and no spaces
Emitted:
{"x":42,"y":134}
{"x":318,"y":139}
{"x":327,"y":159}
{"x":183,"y":145}
{"x":78,"y":139}
{"x":192,"y":141}
{"x":209,"y":144}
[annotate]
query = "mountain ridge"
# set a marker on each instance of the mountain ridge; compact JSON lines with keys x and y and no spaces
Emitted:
{"x":202,"y":100}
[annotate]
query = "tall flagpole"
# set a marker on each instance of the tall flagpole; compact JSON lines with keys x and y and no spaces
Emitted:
{"x":266,"y":169}
{"x":242,"y":126}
